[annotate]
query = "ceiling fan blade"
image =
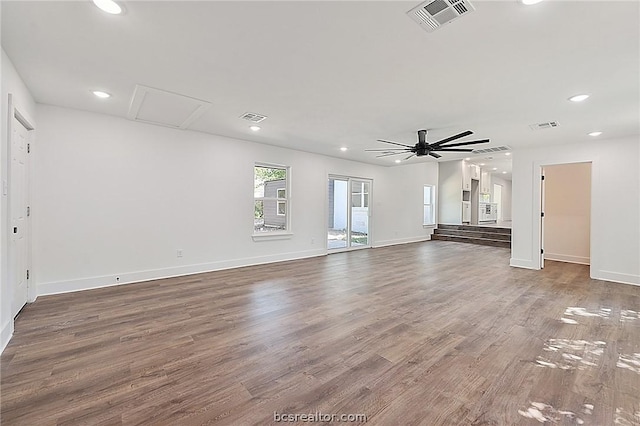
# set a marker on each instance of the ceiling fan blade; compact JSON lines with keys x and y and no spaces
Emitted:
{"x":464,"y":143}
{"x":395,"y":143}
{"x":453,"y":149}
{"x":453,"y":138}
{"x":385,"y":150}
{"x":434,"y":155}
{"x":412,"y":155}
{"x":392,"y":153}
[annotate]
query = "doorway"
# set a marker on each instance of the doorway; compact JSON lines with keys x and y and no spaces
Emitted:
{"x":497,"y":198}
{"x":565,"y":227}
{"x":349,"y":213}
{"x":20,"y":132}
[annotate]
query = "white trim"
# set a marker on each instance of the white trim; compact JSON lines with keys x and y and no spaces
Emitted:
{"x":616,"y":277}
{"x":5,"y":335}
{"x":387,"y":243}
{"x":88,"y":283}
{"x":271,"y":236}
{"x":567,"y":258}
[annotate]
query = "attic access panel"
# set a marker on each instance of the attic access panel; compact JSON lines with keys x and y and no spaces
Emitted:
{"x":164,"y":108}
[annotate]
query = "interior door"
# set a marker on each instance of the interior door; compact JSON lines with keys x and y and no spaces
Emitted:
{"x":542,"y":203}
{"x":18,"y":187}
{"x":349,"y":213}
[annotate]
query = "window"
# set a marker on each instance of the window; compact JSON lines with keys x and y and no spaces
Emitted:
{"x":271,"y":202}
{"x":359,"y":194}
{"x":282,"y":205}
{"x":429,"y":210}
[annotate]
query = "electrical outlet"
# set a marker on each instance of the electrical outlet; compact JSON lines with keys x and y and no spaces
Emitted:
{"x":179,"y":253}
{"x":313,"y":241}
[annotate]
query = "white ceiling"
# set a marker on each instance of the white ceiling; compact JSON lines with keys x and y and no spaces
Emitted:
{"x":344,"y":73}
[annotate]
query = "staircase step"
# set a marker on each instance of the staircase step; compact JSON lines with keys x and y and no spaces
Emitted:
{"x":476,"y":228}
{"x":471,"y":240}
{"x":474,"y":234}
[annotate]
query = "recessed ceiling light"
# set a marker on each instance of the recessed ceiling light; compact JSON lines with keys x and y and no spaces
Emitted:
{"x":254,"y":128}
{"x":595,"y":133}
{"x":482,"y":164}
{"x":495,"y":168}
{"x":108,"y":6}
{"x":398,"y":161}
{"x":507,"y":153}
{"x":504,"y":173}
{"x":467,"y":159}
{"x":530,"y":2}
{"x":578,"y":98}
{"x":101,"y":94}
{"x":343,"y":149}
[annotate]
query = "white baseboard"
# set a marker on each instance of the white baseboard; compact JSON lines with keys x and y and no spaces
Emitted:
{"x":58,"y":287}
{"x":522,"y":263}
{"x":567,"y":258}
{"x":5,"y":335}
{"x":386,"y":243}
{"x":616,"y":277}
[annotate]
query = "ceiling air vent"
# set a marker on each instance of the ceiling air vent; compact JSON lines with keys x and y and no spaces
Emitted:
{"x":433,"y":14}
{"x":542,"y":126}
{"x":253,"y":117}
{"x":494,"y":149}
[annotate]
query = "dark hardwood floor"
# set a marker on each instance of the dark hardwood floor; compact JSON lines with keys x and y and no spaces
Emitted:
{"x":435,"y":333}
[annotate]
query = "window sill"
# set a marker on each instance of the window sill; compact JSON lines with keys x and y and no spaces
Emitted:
{"x":429,"y":226}
{"x":272,"y":236}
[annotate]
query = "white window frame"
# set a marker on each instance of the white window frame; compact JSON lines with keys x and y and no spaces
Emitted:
{"x":279,"y":202}
{"x":280,"y":234}
{"x":363,"y":196}
{"x":431,"y":202}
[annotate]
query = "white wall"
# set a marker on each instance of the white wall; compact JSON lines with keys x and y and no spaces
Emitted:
{"x":506,"y":195}
{"x":399,"y":198}
{"x":23,"y":101}
{"x":450,"y":192}
{"x":118,"y":198}
{"x":615,"y":205}
{"x":567,"y":212}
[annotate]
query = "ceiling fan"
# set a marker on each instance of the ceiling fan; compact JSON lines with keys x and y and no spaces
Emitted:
{"x":424,"y":148}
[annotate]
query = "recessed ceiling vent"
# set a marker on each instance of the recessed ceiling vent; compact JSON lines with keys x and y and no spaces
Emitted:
{"x":494,"y":149}
{"x":253,"y":117}
{"x":433,"y":14}
{"x":542,"y":126}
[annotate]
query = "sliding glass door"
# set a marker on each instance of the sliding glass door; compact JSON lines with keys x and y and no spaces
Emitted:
{"x":349,"y":213}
